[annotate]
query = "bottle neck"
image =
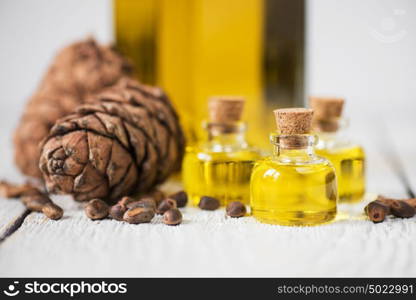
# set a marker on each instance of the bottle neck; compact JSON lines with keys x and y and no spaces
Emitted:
{"x":226,"y":135}
{"x":293,"y":148}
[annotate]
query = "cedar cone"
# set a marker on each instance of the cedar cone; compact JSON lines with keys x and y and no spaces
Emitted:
{"x":125,"y":140}
{"x":77,"y":71}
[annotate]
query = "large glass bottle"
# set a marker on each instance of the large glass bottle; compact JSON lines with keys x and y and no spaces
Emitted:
{"x":294,"y":186}
{"x":197,"y":48}
{"x":221,"y":165}
{"x":347,"y":157}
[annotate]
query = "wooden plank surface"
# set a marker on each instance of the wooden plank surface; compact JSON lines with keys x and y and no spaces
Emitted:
{"x":207,"y":244}
{"x":210,"y":244}
{"x":12,"y":213}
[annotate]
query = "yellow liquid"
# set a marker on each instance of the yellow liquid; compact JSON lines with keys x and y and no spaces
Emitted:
{"x":136,"y":32}
{"x":349,"y":165}
{"x":222,"y":175}
{"x":195,"y":49}
{"x":288,"y":194}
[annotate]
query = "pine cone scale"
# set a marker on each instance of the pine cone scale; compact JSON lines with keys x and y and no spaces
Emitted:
{"x":88,"y":180}
{"x":123,"y":123}
{"x":127,"y":185}
{"x":114,"y":127}
{"x":75,"y":145}
{"x":119,"y":165}
{"x":99,"y":151}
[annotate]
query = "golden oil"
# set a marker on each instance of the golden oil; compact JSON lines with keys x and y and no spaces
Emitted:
{"x":224,"y":175}
{"x":349,"y":163}
{"x":347,"y":157}
{"x":220,"y":166}
{"x":294,"y":186}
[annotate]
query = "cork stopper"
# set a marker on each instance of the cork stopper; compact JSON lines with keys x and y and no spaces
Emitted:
{"x":225,"y":109}
{"x":326,"y":108}
{"x":291,"y":121}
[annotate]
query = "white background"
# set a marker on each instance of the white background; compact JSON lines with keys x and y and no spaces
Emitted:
{"x":30,"y":34}
{"x":364,"y":50}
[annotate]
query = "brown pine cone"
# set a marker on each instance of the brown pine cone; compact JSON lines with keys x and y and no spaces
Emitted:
{"x":86,"y":67}
{"x":127,"y":139}
{"x":77,"y":71}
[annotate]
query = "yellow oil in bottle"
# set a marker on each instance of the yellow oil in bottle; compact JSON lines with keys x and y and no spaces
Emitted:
{"x":220,"y":165}
{"x":349,"y":165}
{"x":222,"y":175}
{"x":198,"y":57}
{"x":293,"y":193}
{"x":136,"y":32}
{"x":348,"y":158}
{"x":294,"y":186}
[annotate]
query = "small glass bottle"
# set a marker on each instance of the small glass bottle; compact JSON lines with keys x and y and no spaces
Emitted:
{"x":294,"y":186}
{"x":221,"y":166}
{"x":348,"y":158}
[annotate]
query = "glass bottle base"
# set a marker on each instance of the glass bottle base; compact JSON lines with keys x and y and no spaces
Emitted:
{"x":294,"y":218}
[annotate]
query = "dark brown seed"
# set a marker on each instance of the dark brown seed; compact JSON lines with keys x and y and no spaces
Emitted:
{"x":181,"y":198}
{"x":208,"y":203}
{"x":165,"y":205}
{"x":402,"y":209}
{"x":97,"y":209}
{"x":35,"y":202}
{"x":236,"y":209}
{"x":411,"y":202}
{"x":386,"y":201}
{"x":52,"y":211}
{"x":138,"y":215}
{"x":172,"y":217}
{"x":143,"y":202}
{"x":377,"y":211}
{"x":117,"y":211}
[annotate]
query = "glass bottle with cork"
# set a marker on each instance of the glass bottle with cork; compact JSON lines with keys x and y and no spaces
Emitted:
{"x":221,"y":165}
{"x":347,"y":157}
{"x":294,"y":186}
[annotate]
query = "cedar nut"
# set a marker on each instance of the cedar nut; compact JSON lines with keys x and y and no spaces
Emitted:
{"x":236,"y":209}
{"x":137,"y":215}
{"x":181,"y":198}
{"x":52,"y":211}
{"x":172,"y":217}
{"x":165,"y":205}
{"x":96,"y":209}
{"x":209,"y":203}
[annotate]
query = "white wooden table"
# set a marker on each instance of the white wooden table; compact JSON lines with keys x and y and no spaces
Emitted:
{"x":209,"y":244}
